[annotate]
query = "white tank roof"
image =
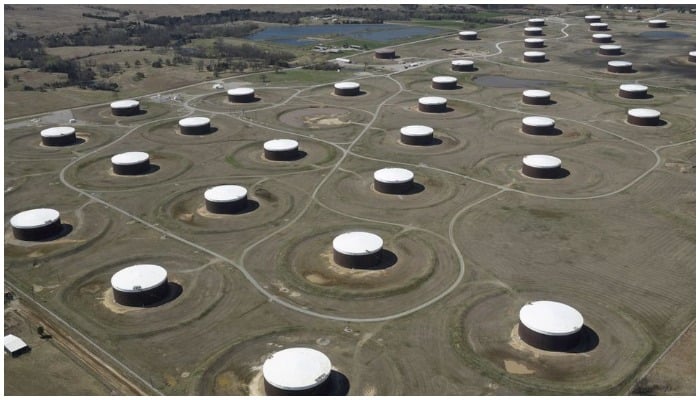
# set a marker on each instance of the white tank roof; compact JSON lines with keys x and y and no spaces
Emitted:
{"x":242,"y":91}
{"x":35,"y":218}
{"x":534,"y":54}
{"x":538,"y":121}
{"x":57,"y":131}
{"x":194,"y":121}
{"x":393,"y":175}
{"x":225,"y":193}
{"x":657,"y":21}
{"x":551,"y":318}
{"x":385,"y":50}
{"x":535,"y":20}
{"x":432,"y":100}
{"x":599,"y":24}
{"x":633,"y":87}
{"x":536,"y":93}
{"x":281,"y":145}
{"x":416,"y":130}
{"x":444,"y":79}
{"x":347,"y":85}
{"x":467,"y":33}
{"x":124,"y":104}
{"x":533,"y":29}
{"x":296,"y":368}
{"x":139,"y":278}
{"x":533,"y":40}
{"x":462,"y":62}
{"x":602,"y":35}
{"x":541,"y":161}
{"x":592,"y":17}
{"x":643,"y":113}
{"x":619,"y":63}
{"x":357,"y":243}
{"x":692,"y":53}
{"x":130,"y":158}
{"x":610,"y":47}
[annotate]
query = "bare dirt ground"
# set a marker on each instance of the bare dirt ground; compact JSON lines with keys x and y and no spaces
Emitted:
{"x":476,"y":239}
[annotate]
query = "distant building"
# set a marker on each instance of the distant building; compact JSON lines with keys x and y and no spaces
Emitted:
{"x":15,"y":346}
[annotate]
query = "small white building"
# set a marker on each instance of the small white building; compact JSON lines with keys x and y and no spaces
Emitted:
{"x":15,"y":346}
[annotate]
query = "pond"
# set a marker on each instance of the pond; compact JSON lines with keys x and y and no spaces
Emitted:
{"x":660,"y":35}
{"x":506,"y":82}
{"x":302,"y":35}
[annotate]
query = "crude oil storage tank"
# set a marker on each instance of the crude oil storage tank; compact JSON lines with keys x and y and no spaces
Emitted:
{"x":535,"y":22}
{"x":241,"y":95}
{"x":125,"y":107}
{"x":643,"y":117}
{"x":58,"y":136}
{"x":691,"y":56}
{"x":537,"y":97}
{"x":462,"y":65}
{"x":444,"y":82}
{"x":417,"y":135}
{"x":385,"y":53}
{"x":658,"y":23}
{"x":633,"y":91}
{"x":532,"y":31}
{"x":131,"y":163}
{"x":534,"y":56}
{"x":432,"y":104}
{"x":533,"y":43}
{"x":537,"y":125}
{"x":226,"y":199}
{"x":297,"y":371}
{"x":592,"y":18}
{"x":281,"y":149}
{"x":601,"y":38}
{"x":357,"y":249}
{"x":140,"y":285}
{"x":620,"y":67}
{"x":393,"y":180}
{"x":346,"y":89}
{"x":195,"y":126}
{"x":36,"y":224}
{"x":541,"y":166}
{"x":468,"y":35}
{"x":598,"y":26}
{"x":610,"y":50}
{"x":550,"y":325}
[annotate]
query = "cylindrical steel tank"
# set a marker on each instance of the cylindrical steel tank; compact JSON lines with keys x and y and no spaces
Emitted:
{"x":226,"y":199}
{"x":541,"y":166}
{"x":140,"y":285}
{"x":444,"y":82}
{"x":131,"y":163}
{"x":538,"y":125}
{"x":195,"y":126}
{"x":633,"y":91}
{"x":417,"y":135}
{"x":125,"y":107}
{"x":643,"y":117}
{"x":357,"y":250}
{"x":536,"y":97}
{"x":241,"y":95}
{"x":37,"y":224}
{"x":550,"y":325}
{"x":58,"y":136}
{"x":432,"y":104}
{"x":393,"y":180}
{"x":281,"y":149}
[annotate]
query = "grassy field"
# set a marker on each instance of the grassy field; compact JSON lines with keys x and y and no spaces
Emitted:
{"x":463,"y":252}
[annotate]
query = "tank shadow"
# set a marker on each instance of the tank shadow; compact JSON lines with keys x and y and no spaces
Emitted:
{"x":66,"y":229}
{"x":589,"y":341}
